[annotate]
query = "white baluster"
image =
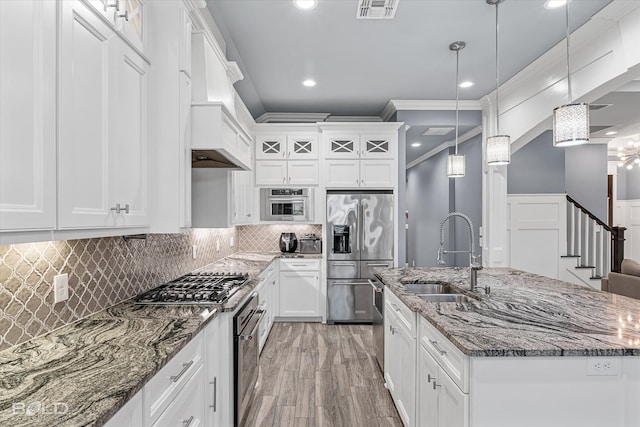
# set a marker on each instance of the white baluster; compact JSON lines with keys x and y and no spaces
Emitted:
{"x":607,"y":253}
{"x":570,"y":230}
{"x":576,"y":228}
{"x":593,"y":242}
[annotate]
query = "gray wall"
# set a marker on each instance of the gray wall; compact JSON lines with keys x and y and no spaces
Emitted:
{"x":431,"y":195}
{"x":428,"y":202}
{"x":586,"y":177}
{"x":467,"y":196}
{"x":581,"y":172}
{"x":621,"y":190}
{"x":537,"y":168}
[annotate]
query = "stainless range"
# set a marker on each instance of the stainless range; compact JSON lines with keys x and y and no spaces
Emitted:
{"x":195,"y":288}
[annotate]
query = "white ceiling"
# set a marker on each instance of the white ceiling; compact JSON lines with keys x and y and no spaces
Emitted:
{"x":360,"y":65}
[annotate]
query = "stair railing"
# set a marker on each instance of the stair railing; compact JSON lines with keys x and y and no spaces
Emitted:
{"x":599,"y":246}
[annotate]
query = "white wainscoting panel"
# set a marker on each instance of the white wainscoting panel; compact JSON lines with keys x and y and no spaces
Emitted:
{"x":537,"y":232}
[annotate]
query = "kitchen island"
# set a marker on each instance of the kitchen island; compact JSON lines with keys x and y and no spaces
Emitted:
{"x":83,"y":373}
{"x":535,"y":351}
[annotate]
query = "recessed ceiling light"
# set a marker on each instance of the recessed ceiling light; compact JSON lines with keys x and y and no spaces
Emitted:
{"x":416,"y":144}
{"x":309,"y":83}
{"x":466,"y":84}
{"x":554,"y":4}
{"x":305,"y":4}
{"x":611,"y":132}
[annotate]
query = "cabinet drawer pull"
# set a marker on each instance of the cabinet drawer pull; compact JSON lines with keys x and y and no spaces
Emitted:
{"x":437,"y":347}
{"x":124,"y":15}
{"x":430,"y":378}
{"x":436,"y":385}
{"x":187,"y":422}
{"x":215,"y":394}
{"x":185,"y":367}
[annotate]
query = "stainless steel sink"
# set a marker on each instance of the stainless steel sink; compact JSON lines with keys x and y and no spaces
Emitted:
{"x":430,"y":288}
{"x":446,"y":298}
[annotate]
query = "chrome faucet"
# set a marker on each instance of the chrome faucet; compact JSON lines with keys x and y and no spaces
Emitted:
{"x":474,"y":264}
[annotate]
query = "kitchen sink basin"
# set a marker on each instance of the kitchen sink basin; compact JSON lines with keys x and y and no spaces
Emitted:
{"x":430,"y":288}
{"x":446,"y":298}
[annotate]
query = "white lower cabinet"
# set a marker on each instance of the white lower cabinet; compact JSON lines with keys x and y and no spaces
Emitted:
{"x":352,"y":173}
{"x":299,"y":289}
{"x":212,"y":379}
{"x":400,"y":361}
{"x":266,"y":292}
{"x":440,"y":403}
{"x":187,"y":409}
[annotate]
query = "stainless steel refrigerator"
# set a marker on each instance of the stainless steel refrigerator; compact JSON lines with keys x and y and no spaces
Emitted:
{"x":360,"y":236}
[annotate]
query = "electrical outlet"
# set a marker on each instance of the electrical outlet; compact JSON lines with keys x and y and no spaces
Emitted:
{"x":194,"y":251}
{"x":60,"y":288}
{"x":231,"y":241}
{"x":603,"y":366}
{"x":218,"y":245}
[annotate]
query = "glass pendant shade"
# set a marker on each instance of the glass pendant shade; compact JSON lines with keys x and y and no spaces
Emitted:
{"x":571,"y":125}
{"x":455,"y":166}
{"x":498,"y":150}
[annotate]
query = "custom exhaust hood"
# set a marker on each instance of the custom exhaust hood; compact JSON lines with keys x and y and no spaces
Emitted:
{"x":218,"y":139}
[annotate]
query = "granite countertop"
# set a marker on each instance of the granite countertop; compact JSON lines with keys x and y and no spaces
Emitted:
{"x":525,"y":314}
{"x":95,"y":365}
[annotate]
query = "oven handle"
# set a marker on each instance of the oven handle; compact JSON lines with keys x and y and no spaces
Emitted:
{"x":250,"y":336}
{"x":377,"y":286}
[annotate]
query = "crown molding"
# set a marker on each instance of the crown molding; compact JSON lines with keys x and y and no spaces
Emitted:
{"x":369,"y":126}
{"x":292,"y":117}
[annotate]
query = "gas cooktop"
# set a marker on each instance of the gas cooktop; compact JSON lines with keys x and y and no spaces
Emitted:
{"x":195,"y":288}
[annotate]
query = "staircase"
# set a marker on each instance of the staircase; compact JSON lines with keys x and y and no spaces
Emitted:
{"x":589,"y":247}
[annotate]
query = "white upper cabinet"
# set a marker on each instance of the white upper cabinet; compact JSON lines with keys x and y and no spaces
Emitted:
{"x":126,"y":16}
{"x":303,"y":147}
{"x":169,"y":98}
{"x":360,"y":146}
{"x":341,"y":146}
{"x":244,"y":195}
{"x":87,"y":51}
{"x":102,"y":146}
{"x":128,"y":144}
{"x":28,"y":114}
{"x":283,"y":147}
{"x":271,"y":147}
{"x":287,"y":159}
{"x":378,"y":146}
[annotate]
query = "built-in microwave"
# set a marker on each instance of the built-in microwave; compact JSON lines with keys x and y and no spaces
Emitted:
{"x":286,"y":204}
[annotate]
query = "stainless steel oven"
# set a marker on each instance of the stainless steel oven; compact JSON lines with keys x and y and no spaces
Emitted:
{"x":286,"y":204}
{"x":246,"y":325}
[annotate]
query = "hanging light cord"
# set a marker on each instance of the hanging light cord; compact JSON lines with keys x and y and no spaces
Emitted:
{"x":457,"y":95}
{"x":497,"y":74}
{"x":566,"y":9}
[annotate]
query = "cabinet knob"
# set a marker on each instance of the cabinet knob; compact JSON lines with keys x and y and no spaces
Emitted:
{"x":435,"y":385}
{"x":115,"y":4}
{"x":429,"y":378}
{"x":124,"y":15}
{"x":249,"y":215}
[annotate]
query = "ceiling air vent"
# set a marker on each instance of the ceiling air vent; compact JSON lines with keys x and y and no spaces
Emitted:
{"x":596,"y":107}
{"x":377,"y":9}
{"x":437,"y":131}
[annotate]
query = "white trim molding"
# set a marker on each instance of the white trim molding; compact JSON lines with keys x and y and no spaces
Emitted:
{"x":395,"y":105}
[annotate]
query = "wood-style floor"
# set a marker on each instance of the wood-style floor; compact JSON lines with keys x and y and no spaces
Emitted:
{"x":316,"y":375}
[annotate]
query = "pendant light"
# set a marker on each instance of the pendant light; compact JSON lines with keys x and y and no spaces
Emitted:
{"x":455,"y":163}
{"x":498,"y":146}
{"x":570,"y":121}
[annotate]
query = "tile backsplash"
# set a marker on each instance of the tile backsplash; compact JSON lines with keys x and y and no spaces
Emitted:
{"x":264,"y":238}
{"x":102,"y":272}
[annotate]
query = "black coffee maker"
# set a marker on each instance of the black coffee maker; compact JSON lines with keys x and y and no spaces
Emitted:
{"x":288,"y":242}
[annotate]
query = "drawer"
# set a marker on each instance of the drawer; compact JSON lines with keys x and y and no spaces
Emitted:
{"x":404,"y":313}
{"x":299,"y":264}
{"x":452,"y":360}
{"x":188,"y":407}
{"x":166,"y":384}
